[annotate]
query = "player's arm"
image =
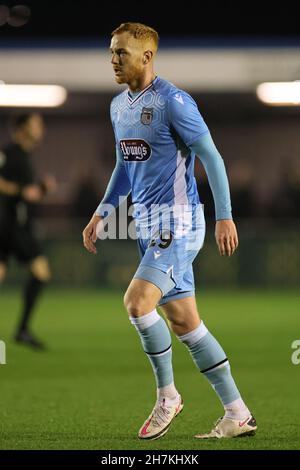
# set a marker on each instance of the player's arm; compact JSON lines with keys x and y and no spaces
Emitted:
{"x":31,"y":193}
{"x":226,"y":233}
{"x":189,"y":124}
{"x":9,"y":188}
{"x":116,"y":192}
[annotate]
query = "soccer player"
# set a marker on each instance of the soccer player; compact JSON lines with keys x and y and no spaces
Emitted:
{"x":159,"y":130}
{"x":18,"y":191}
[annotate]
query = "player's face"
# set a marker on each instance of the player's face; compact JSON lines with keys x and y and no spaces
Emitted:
{"x":126,"y":57}
{"x":35,"y":128}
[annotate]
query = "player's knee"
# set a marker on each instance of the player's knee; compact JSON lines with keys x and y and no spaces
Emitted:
{"x":181,"y":323}
{"x":135,"y":310}
{"x":40,"y":269}
{"x":135,"y":305}
{"x":3,"y":270}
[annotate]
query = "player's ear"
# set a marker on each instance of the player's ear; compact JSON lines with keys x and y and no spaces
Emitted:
{"x":147,"y":57}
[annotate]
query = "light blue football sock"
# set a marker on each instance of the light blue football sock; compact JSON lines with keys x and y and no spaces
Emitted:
{"x":156,"y":342}
{"x":211,"y":360}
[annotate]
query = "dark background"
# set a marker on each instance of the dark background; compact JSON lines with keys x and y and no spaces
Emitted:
{"x":214,"y":20}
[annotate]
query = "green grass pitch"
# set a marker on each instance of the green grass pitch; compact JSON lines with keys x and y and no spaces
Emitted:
{"x":94,"y":387}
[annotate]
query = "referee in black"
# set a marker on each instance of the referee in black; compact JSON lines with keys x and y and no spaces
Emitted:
{"x":19,"y":191}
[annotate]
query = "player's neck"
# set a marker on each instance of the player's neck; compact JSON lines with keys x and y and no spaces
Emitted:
{"x":139,"y":84}
{"x":25,"y":144}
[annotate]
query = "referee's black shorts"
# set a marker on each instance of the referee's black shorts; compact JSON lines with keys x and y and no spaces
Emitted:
{"x":19,"y":241}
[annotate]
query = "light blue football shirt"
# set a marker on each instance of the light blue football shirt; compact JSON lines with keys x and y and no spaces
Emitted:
{"x":153,"y":132}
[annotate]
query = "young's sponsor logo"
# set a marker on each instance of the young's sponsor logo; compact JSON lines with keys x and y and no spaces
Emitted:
{"x":135,"y":150}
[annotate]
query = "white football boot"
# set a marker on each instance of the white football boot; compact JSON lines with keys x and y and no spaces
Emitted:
{"x":228,"y":427}
{"x":159,"y":421}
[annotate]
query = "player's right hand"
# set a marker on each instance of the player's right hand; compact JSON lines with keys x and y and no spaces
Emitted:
{"x":32,"y":193}
{"x":90,"y":234}
{"x":226,"y":237}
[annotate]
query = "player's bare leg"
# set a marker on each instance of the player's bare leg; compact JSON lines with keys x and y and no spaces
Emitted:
{"x":141,"y":297}
{"x":3,"y":271}
{"x":182,"y":315}
{"x":40,"y":269}
{"x":140,"y":301}
{"x":39,"y":275}
{"x":211,"y":360}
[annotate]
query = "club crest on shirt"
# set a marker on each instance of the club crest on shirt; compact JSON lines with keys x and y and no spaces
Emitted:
{"x":147,"y":116}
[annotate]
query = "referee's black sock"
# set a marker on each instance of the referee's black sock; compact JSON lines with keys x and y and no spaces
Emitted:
{"x":31,"y":293}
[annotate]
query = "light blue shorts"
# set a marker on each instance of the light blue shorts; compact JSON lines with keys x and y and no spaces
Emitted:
{"x":167,"y":255}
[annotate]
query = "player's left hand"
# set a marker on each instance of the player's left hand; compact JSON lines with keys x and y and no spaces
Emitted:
{"x":226,"y":237}
{"x":50,"y":184}
{"x":89,"y":234}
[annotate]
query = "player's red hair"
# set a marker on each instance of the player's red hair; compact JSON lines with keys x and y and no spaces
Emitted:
{"x":138,"y":31}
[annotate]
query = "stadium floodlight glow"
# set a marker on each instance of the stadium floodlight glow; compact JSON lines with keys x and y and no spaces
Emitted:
{"x":40,"y":96}
{"x":279,"y":93}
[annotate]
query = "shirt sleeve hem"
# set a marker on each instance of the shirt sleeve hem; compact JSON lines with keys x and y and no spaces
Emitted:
{"x":225,"y":216}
